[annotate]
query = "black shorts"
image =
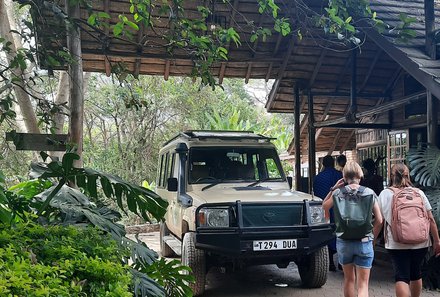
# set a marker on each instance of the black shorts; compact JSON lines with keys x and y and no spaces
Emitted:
{"x":407,"y":264}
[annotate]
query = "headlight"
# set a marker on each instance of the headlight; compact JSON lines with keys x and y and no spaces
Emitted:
{"x":317,"y":214}
{"x":214,"y":217}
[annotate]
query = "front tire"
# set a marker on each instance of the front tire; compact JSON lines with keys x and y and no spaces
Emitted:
{"x":165,"y":250}
{"x":196,"y":260}
{"x":313,"y":268}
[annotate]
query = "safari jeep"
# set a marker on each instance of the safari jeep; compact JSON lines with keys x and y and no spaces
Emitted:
{"x":230,"y":205}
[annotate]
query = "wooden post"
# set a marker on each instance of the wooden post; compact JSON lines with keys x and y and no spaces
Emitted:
{"x":76,"y":84}
{"x":353,"y":87}
{"x":430,"y":45}
{"x":431,"y":118}
{"x":312,"y":148}
{"x":297,"y":139}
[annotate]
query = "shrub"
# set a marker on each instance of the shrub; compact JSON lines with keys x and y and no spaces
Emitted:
{"x":40,"y":260}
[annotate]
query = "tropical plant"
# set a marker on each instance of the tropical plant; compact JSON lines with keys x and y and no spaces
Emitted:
{"x":424,"y":163}
{"x":49,"y":200}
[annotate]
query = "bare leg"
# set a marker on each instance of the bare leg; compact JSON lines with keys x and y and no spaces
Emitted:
{"x":402,"y":289}
{"x":362,"y":279}
{"x":416,"y":288}
{"x":349,"y":280}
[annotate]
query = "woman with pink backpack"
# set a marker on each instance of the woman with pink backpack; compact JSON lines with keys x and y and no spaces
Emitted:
{"x":408,"y":224}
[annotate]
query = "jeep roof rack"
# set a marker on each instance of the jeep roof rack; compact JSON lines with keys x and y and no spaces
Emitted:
{"x":220,"y":134}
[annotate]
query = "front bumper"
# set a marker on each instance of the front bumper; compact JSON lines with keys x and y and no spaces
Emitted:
{"x":237,"y":241}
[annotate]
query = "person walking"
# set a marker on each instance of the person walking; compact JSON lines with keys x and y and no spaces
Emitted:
{"x":321,"y":187}
{"x":407,"y":258}
{"x":371,"y":179}
{"x":341,"y":160}
{"x":355,"y":255}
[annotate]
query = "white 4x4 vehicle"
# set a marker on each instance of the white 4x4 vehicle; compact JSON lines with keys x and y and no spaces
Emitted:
{"x":230,"y":205}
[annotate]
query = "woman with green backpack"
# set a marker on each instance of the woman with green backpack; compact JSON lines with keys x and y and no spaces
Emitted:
{"x":408,"y":225}
{"x":354,"y":206}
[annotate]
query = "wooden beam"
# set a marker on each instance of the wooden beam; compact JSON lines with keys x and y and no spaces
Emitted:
{"x":370,"y":70}
{"x":335,"y":142}
{"x":276,"y":85}
{"x":137,"y":63}
{"x":312,"y":144}
{"x":317,"y":67}
{"x":228,"y":45}
{"x":342,"y":74}
{"x":275,"y":52}
{"x":402,"y":58}
{"x":376,"y":109}
{"x":167,"y":70}
{"x":107,"y":65}
{"x":430,"y":44}
{"x":324,"y":115}
{"x":392,"y":81}
{"x":297,"y":139}
{"x":360,"y":126}
{"x":431,"y":118}
{"x":347,"y":141}
{"x":248,"y":72}
{"x":37,"y":141}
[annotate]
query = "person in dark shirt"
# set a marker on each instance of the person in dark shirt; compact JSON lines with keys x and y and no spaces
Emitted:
{"x":371,"y":179}
{"x":321,"y":186}
{"x":341,"y":160}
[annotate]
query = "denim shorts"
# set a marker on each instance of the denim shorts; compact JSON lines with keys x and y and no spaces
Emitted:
{"x":355,"y":252}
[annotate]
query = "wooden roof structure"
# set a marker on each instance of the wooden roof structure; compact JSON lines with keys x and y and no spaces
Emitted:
{"x":315,"y":63}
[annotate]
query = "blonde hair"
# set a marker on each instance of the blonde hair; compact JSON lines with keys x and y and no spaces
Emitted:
{"x":352,"y":172}
{"x":400,"y":176}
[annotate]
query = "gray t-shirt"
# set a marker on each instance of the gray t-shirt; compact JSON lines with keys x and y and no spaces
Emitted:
{"x":385,"y":200}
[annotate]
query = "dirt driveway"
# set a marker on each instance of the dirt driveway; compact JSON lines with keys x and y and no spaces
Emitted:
{"x":268,"y":280}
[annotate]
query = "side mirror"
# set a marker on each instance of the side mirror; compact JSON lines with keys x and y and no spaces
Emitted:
{"x":172,"y":184}
{"x":290,"y":181}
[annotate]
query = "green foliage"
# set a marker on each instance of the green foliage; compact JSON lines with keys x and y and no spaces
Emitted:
{"x":140,"y":200}
{"x":425,"y":165}
{"x":60,"y":261}
{"x":172,"y":276}
{"x":404,"y":32}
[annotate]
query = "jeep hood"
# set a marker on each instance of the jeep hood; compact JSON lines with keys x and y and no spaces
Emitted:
{"x":227,"y":193}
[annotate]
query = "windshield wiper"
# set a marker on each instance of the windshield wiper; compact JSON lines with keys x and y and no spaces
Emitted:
{"x":213,"y":184}
{"x":258,"y":181}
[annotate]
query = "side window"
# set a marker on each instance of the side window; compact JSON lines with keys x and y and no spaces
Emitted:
{"x":161,"y":172}
{"x":166,"y":169}
{"x":272,"y":169}
{"x":172,"y":166}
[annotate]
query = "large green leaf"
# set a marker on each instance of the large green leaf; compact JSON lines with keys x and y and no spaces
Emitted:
{"x":140,"y":200}
{"x":425,"y":165}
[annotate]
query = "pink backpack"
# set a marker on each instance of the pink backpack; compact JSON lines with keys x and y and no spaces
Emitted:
{"x":409,"y":217}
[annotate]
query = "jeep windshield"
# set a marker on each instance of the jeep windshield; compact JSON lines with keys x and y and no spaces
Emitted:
{"x":214,"y":165}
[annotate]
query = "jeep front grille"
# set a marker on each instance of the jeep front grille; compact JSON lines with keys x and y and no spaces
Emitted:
{"x":278,"y":215}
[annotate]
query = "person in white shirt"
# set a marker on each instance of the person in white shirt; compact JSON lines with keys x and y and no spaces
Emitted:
{"x":407,"y":258}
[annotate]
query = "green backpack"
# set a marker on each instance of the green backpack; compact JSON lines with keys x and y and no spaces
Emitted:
{"x":353,"y":213}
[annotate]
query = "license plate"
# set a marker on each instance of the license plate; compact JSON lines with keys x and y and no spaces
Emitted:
{"x":270,"y":245}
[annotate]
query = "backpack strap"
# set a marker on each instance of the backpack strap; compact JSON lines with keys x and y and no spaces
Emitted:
{"x":361,"y":189}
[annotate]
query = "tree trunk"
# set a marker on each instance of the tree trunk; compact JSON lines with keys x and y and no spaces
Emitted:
{"x":62,"y":97}
{"x":7,"y":23}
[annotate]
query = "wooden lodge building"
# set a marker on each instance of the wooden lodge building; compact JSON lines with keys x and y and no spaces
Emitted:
{"x":376,"y":100}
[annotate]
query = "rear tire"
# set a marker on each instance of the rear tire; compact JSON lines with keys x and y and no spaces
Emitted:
{"x":196,"y":260}
{"x":313,"y":268}
{"x":165,"y":250}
